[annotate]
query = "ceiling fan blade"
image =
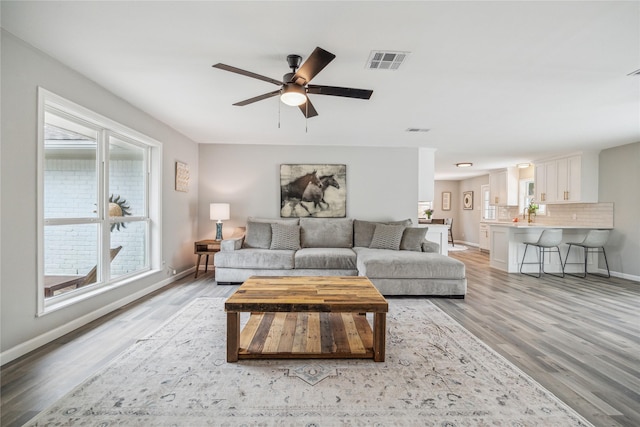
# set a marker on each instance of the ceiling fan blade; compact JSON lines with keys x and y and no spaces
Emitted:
{"x":308,"y":109}
{"x":247,"y":73}
{"x":257,"y":98}
{"x":347,"y":92}
{"x":318,"y":59}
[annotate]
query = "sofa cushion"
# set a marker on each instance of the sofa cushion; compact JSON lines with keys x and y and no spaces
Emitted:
{"x":256,"y":258}
{"x":285,"y":236}
{"x":325,"y":258}
{"x":294,"y":221}
{"x":412,"y":239}
{"x":363,"y":230}
{"x":258,"y":235}
{"x":387,"y":237}
{"x":326,"y":232}
{"x":382,"y":263}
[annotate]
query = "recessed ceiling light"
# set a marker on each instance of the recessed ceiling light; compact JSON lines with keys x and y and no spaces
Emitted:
{"x":464,"y":164}
{"x":523,"y":165}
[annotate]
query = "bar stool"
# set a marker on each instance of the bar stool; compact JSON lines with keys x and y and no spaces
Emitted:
{"x":548,"y":240}
{"x":449,"y":223}
{"x":593,"y":243}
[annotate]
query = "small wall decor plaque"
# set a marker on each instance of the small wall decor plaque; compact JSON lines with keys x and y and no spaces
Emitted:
{"x":467,"y":200}
{"x":446,"y":200}
{"x":182,"y":177}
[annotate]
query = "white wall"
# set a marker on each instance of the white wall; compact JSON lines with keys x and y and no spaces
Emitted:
{"x":466,"y":223}
{"x":381,"y":182}
{"x":23,"y":69}
{"x":619,"y":183}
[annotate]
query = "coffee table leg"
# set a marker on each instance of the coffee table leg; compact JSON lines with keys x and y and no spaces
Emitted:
{"x":233,"y":336}
{"x":379,"y":336}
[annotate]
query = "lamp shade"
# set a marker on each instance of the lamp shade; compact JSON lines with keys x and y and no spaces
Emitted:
{"x":293,"y":95}
{"x":219,"y":211}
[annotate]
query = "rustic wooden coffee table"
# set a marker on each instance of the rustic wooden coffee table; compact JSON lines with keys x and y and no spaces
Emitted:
{"x":306,"y":317}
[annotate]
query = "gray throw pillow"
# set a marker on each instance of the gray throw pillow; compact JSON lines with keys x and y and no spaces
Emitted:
{"x":387,"y":237}
{"x":258,"y":235}
{"x":412,"y":239}
{"x":363,"y":230}
{"x":285,"y":236}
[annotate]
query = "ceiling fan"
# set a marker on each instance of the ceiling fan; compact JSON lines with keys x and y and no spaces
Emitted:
{"x":295,"y":86}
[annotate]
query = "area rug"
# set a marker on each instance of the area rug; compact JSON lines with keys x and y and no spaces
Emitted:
{"x":455,"y":248}
{"x":436,"y":373}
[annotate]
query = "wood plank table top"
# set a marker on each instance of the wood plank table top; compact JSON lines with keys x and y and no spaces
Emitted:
{"x":306,"y":317}
{"x":344,"y":294}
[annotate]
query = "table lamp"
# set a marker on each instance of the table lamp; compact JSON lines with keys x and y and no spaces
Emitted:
{"x":219,"y":212}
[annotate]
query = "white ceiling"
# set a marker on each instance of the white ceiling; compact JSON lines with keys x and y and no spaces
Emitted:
{"x":496,"y":83}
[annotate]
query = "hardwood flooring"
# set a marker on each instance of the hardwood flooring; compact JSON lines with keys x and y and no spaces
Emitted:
{"x":579,"y":338}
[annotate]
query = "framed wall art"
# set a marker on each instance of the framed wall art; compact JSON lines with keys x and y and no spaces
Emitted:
{"x":308,"y":190}
{"x":446,"y":200}
{"x":467,"y":200}
{"x":182,"y":177}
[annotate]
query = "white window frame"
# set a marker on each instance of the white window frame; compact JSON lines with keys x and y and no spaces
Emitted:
{"x":488,"y":211}
{"x":48,"y":101}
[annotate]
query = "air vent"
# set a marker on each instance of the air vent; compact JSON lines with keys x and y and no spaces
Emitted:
{"x":634,"y":73}
{"x":386,"y":60}
{"x":417,"y":130}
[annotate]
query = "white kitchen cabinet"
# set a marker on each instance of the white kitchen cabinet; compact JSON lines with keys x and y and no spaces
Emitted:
{"x":572,"y":179}
{"x":503,"y":187}
{"x":483,"y":240}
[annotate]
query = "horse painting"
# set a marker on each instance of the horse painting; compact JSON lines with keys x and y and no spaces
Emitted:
{"x":304,"y":191}
{"x":293,"y":192}
{"x":315,"y":194}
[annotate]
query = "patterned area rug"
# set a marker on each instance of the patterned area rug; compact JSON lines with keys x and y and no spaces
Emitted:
{"x":436,"y":373}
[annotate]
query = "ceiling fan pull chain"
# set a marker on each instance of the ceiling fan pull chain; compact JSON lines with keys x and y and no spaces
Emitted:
{"x":278,"y":113}
{"x":306,"y":117}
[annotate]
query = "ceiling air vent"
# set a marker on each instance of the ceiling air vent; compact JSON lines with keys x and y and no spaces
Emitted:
{"x":417,"y":130}
{"x":386,"y":60}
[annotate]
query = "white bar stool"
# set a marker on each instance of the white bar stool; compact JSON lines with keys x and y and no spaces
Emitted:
{"x":548,"y":240}
{"x":593,"y":243}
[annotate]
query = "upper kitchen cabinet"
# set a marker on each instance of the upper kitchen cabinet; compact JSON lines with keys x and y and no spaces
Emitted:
{"x":503,"y":187}
{"x":571,"y":179}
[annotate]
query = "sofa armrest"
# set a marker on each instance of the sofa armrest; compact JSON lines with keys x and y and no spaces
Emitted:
{"x":429,"y":246}
{"x":233,"y":243}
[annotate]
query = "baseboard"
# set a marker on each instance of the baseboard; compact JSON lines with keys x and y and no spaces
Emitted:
{"x":631,"y":277}
{"x":34,"y":343}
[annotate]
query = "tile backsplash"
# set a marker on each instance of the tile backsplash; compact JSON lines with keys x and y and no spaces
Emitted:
{"x":570,"y":214}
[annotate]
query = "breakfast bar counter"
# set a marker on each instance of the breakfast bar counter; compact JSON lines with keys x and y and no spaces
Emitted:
{"x":507,"y":247}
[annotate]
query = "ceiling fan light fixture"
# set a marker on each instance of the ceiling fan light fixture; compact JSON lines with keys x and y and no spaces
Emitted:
{"x":293,"y":95}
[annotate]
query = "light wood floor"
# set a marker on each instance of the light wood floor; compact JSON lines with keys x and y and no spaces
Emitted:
{"x":579,"y":338}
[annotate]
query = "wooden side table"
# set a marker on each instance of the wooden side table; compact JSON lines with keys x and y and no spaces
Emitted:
{"x":205,"y":247}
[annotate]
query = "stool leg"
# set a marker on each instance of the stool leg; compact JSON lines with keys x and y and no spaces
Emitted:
{"x":559,"y":256}
{"x":567,"y":257}
{"x":606,"y":263}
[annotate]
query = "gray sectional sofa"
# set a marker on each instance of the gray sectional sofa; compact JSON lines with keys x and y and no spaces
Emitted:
{"x":393,"y":255}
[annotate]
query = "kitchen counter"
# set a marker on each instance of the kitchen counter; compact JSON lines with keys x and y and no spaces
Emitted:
{"x":543,"y":226}
{"x":506,"y":241}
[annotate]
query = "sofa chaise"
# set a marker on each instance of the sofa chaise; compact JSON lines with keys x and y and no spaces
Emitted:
{"x":393,"y":255}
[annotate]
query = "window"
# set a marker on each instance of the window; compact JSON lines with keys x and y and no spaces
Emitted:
{"x":488,"y":211}
{"x":99,"y":204}
{"x":527,"y":195}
